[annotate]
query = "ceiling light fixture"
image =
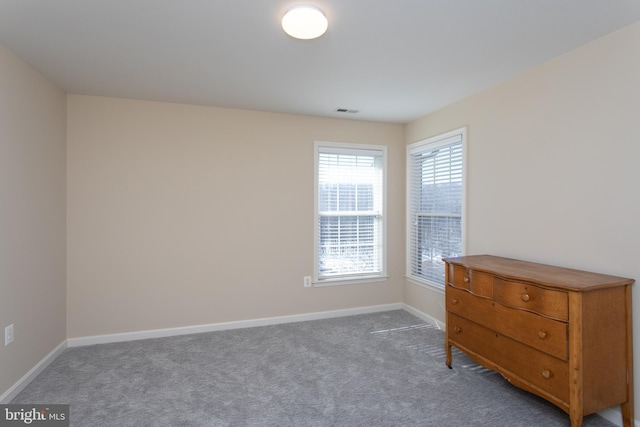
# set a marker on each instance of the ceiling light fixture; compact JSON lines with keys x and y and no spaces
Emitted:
{"x":304,"y":22}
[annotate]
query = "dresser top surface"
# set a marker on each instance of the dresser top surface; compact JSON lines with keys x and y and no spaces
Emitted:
{"x":549,"y":275}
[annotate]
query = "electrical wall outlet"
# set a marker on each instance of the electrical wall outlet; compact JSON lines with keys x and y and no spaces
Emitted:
{"x":8,"y":334}
{"x":307,"y":281}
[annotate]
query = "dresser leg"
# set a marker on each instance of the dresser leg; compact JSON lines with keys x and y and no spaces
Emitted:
{"x":448,"y":352}
{"x":628,"y":418}
{"x":576,"y":421}
{"x":627,"y":414}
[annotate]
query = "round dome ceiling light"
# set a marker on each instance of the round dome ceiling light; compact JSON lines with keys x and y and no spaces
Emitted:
{"x":304,"y":22}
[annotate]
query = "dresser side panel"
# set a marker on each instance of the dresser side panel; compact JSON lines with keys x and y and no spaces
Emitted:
{"x":604,"y":348}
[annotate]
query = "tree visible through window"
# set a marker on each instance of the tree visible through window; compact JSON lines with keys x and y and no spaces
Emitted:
{"x":435,"y":205}
{"x":349,"y":211}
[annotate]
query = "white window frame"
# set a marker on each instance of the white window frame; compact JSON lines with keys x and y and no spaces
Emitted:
{"x":429,"y":144}
{"x":350,"y":148}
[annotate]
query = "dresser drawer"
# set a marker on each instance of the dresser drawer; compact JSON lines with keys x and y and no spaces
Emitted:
{"x":476,"y":282}
{"x":510,"y":357}
{"x":465,"y":304}
{"x":546,"y":302}
{"x":542,"y":333}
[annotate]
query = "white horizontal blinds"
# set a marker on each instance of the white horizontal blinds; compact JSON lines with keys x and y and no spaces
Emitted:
{"x":435,"y":205}
{"x":350,"y":191}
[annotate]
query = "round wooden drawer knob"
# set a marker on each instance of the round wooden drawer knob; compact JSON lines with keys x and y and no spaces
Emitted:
{"x":546,"y":374}
{"x":542,"y":334}
{"x":465,"y":280}
{"x":457,"y":329}
{"x":525,"y":297}
{"x":454,"y":301}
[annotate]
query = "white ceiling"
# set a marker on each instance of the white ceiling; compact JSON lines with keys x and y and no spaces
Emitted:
{"x":392,"y":60}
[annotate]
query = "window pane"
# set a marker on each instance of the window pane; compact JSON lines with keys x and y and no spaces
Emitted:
{"x":348,"y":245}
{"x":435,"y":205}
{"x":364,"y":197}
{"x":350,"y":202}
{"x":438,"y":237}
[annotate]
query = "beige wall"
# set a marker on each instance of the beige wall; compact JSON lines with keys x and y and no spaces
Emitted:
{"x":32,"y":217}
{"x":184,"y":215}
{"x":553,"y":171}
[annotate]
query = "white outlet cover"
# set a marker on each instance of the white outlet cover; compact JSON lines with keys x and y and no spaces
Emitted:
{"x":8,"y":334}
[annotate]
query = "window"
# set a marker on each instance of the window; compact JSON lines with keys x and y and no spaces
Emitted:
{"x":350,"y":212}
{"x":435,"y":205}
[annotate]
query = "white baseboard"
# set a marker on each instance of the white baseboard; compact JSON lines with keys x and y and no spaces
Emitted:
{"x":186,"y":330}
{"x":615,"y":416}
{"x":34,"y":372}
{"x":425,"y":316}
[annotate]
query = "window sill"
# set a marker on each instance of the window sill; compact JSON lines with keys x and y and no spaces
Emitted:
{"x":426,"y":284}
{"x":351,"y":281}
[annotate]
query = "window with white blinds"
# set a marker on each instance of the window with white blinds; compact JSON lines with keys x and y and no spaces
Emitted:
{"x":435,"y":205}
{"x":350,"y":212}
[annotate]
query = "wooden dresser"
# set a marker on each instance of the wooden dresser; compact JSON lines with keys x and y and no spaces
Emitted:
{"x":562,"y":334}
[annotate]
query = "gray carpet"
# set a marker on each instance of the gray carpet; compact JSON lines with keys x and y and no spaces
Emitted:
{"x":382,"y":369}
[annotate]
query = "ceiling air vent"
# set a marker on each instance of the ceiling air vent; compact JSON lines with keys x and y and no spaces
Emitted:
{"x":345,"y":110}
